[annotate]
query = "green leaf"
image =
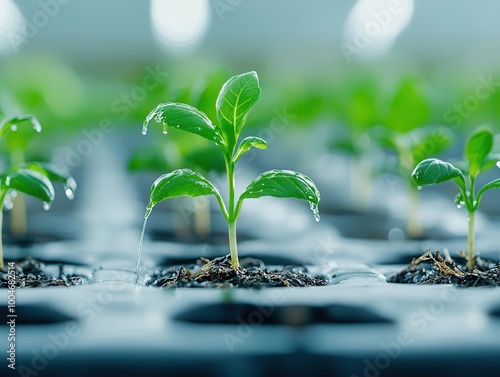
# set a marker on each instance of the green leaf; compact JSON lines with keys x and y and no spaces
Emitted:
{"x":409,"y":108}
{"x":236,"y":98}
{"x":477,"y":148}
{"x":433,"y":171}
{"x":247,"y":143}
{"x":430,"y":141}
{"x":55,"y":174}
{"x":30,"y":182}
{"x":283,"y":184}
{"x":183,"y":117}
{"x":495,"y":184}
{"x":13,"y":123}
{"x":181,"y":182}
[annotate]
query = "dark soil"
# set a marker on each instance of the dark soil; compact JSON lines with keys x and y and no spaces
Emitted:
{"x":218,"y":273}
{"x":432,"y":269}
{"x":31,"y":273}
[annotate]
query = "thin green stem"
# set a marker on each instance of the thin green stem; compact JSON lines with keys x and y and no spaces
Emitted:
{"x":470,"y":241}
{"x":233,"y":246}
{"x":413,"y":226}
{"x":2,"y":197}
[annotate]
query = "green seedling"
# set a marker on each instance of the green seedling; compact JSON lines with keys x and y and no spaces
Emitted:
{"x":412,"y":147}
{"x":31,"y":178}
{"x":478,"y":155}
{"x":236,"y":98}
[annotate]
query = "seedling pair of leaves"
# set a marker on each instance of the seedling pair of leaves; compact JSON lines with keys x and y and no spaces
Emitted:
{"x":479,"y":156}
{"x":30,"y":178}
{"x":236,"y":98}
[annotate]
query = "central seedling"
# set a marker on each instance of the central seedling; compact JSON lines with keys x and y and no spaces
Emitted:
{"x":236,"y":98}
{"x":478,"y":153}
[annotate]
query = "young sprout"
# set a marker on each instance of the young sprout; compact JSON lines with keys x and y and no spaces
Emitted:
{"x":236,"y":98}
{"x":31,"y":178}
{"x":477,"y":152}
{"x":412,"y":147}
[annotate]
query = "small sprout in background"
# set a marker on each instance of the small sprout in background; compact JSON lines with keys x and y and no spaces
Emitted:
{"x":478,"y":154}
{"x":360,"y":113}
{"x":30,"y":178}
{"x":236,"y":98}
{"x":405,"y":133}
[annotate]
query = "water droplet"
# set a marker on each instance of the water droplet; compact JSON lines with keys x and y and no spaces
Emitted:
{"x":165,"y":129}
{"x":7,"y":180}
{"x":69,"y":193}
{"x":36,"y":125}
{"x":498,"y":164}
{"x":13,"y":128}
{"x":315,"y":210}
{"x":46,"y":206}
{"x":419,"y":187}
{"x":459,"y":206}
{"x":145,"y":127}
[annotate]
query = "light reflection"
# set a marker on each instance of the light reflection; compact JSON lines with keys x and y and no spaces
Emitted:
{"x":11,"y":27}
{"x":373,"y":26}
{"x":178,"y":25}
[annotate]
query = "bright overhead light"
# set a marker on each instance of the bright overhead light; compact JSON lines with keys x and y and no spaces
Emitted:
{"x":373,"y":26}
{"x":179,"y":25}
{"x":11,"y":27}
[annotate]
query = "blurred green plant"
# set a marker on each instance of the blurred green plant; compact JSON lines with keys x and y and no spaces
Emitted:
{"x":30,"y":178}
{"x":234,"y":102}
{"x":479,"y":156}
{"x":407,"y":133}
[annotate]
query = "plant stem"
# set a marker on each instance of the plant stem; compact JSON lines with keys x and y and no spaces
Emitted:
{"x":413,"y":223}
{"x":1,"y":243}
{"x":2,"y":197}
{"x":233,"y":246}
{"x":470,"y":241}
{"x":18,"y":220}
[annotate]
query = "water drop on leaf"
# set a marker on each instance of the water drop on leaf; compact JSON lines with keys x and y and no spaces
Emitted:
{"x":46,"y":206}
{"x":69,"y":193}
{"x":13,"y":127}
{"x":165,"y":129}
{"x":419,"y":187}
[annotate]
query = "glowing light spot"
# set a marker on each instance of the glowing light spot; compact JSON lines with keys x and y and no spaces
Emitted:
{"x":11,"y":27}
{"x":373,"y":26}
{"x":179,"y":25}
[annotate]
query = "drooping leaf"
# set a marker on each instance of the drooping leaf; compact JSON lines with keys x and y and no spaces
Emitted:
{"x":236,"y":98}
{"x":55,"y":174}
{"x":247,"y":143}
{"x":14,"y":122}
{"x":432,"y":171}
{"x":284,"y":184}
{"x":181,"y":182}
{"x":186,"y":118}
{"x":30,"y":182}
{"x":477,"y":148}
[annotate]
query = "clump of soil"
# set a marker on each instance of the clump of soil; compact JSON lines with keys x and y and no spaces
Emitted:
{"x":434,"y":269}
{"x":218,"y":273}
{"x":31,"y":273}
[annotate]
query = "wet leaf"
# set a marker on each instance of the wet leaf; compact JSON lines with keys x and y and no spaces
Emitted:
{"x":181,"y":182}
{"x":247,"y":143}
{"x":55,"y":174}
{"x":432,"y":171}
{"x":236,"y":98}
{"x":184,"y":117}
{"x":30,"y":182}
{"x":284,"y":184}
